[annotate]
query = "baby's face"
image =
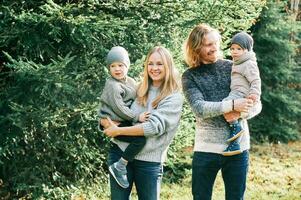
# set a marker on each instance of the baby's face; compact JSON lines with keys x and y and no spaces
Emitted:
{"x":118,"y":70}
{"x":237,"y":51}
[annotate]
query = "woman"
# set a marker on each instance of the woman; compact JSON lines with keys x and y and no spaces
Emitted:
{"x":159,"y":94}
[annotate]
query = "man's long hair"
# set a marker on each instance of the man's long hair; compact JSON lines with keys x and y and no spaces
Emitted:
{"x":194,"y":42}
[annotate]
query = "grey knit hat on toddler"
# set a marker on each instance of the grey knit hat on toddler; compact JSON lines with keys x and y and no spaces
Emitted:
{"x":118,"y":54}
{"x":244,"y":40}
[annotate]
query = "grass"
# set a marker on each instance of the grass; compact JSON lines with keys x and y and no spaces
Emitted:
{"x":274,"y":173}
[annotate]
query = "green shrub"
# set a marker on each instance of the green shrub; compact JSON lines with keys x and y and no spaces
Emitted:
{"x":56,"y":142}
{"x":52,"y":72}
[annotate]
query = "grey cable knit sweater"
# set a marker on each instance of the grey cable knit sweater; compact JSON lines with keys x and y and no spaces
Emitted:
{"x":205,"y":87}
{"x":116,"y":99}
{"x":161,"y":127}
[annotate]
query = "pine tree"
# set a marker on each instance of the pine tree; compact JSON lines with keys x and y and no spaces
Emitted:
{"x":276,"y":39}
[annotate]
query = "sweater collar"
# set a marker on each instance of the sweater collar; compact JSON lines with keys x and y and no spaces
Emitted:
{"x":124,"y":80}
{"x":208,"y":67}
{"x":153,"y":88}
{"x":250,"y":55}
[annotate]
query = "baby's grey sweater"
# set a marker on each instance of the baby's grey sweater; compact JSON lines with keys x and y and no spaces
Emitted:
{"x":205,"y":87}
{"x":245,"y":78}
{"x":161,"y":127}
{"x":116,"y":99}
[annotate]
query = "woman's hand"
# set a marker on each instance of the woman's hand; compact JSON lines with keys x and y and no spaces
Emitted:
{"x":106,"y":124}
{"x":242,"y":105}
{"x":112,"y":130}
{"x":231,"y":116}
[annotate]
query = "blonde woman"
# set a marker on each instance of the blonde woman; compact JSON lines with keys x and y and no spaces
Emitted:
{"x":159,"y":94}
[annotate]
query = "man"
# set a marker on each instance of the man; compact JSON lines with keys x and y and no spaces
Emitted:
{"x":205,"y":84}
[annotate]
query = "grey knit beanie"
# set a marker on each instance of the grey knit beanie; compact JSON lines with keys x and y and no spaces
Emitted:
{"x":118,"y":54}
{"x":244,"y":40}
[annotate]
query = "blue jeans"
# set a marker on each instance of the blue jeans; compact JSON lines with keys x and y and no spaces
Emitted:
{"x":147,"y":177}
{"x":205,"y":167}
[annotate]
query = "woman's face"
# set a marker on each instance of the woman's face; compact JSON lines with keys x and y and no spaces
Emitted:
{"x":156,"y":69}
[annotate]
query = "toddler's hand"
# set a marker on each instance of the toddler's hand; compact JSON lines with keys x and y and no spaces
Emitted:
{"x":231,"y":116}
{"x":144,"y":116}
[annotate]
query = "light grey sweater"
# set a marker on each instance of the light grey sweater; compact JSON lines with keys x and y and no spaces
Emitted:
{"x":245,"y":77}
{"x":116,"y":99}
{"x":205,"y":87}
{"x":161,"y":127}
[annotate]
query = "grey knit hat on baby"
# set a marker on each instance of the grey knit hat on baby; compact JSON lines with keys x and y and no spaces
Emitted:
{"x":118,"y":54}
{"x":244,"y":40}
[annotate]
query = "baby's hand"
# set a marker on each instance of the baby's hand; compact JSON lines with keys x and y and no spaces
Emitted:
{"x":144,"y":116}
{"x":254,"y":97}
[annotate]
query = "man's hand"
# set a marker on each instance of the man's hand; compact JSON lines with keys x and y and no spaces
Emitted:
{"x":231,"y":116}
{"x":254,"y":97}
{"x":242,"y":105}
{"x":112,"y":130}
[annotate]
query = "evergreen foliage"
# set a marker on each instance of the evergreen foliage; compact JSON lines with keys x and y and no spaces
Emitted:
{"x":276,"y":40}
{"x":52,"y":72}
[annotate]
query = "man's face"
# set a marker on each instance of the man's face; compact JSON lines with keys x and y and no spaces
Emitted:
{"x":209,"y":50}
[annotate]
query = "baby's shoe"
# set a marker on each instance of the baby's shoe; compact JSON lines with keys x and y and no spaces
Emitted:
{"x":235,"y":131}
{"x":119,"y":175}
{"x":232,"y":149}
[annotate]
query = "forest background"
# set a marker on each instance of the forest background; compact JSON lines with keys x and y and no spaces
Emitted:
{"x":52,"y":71}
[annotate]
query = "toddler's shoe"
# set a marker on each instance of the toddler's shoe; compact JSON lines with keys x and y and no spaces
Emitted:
{"x":235,"y":131}
{"x":232,"y":149}
{"x":119,"y":175}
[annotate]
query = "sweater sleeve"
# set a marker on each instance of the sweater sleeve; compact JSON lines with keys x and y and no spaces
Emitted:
{"x":201,"y":107}
{"x":115,"y":100}
{"x":252,"y":75}
{"x":165,"y":116}
{"x":255,"y":110}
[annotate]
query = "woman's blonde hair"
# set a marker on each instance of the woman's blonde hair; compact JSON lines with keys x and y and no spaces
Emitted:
{"x":170,"y":83}
{"x":194,"y":42}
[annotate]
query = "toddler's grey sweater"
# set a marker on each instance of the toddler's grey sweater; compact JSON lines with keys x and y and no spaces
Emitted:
{"x":205,"y":87}
{"x":116,"y":99}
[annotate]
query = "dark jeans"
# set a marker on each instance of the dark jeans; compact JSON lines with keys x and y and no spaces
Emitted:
{"x":136,"y":142}
{"x":205,"y":167}
{"x":146,"y":176}
{"x":135,"y":146}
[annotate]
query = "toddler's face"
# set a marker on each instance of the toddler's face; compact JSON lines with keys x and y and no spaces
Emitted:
{"x":118,"y":70}
{"x":237,"y":51}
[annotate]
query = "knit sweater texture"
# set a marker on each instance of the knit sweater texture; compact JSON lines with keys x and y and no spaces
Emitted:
{"x":116,"y":99}
{"x":205,"y":87}
{"x":245,"y":77}
{"x":161,"y":127}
